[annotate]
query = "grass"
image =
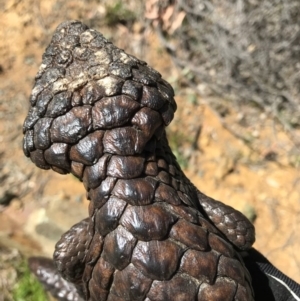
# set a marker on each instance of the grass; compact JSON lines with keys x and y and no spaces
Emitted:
{"x":27,"y":288}
{"x":119,"y":13}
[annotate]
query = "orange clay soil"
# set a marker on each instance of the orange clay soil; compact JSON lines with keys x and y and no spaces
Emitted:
{"x":44,"y":204}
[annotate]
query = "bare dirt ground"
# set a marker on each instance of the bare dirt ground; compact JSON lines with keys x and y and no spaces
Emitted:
{"x":258,"y":175}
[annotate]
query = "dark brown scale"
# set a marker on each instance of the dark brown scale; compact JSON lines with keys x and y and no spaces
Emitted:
{"x":151,"y":169}
{"x":200,"y":265}
{"x":72,"y":126}
{"x":31,"y":119}
{"x":91,"y":93}
{"x":28,"y":144}
{"x":57,"y":156}
{"x":59,"y":104}
{"x":89,"y":149}
{"x":94,"y":174}
{"x":223,"y":290}
{"x":152,"y":98}
{"x":142,"y":77}
{"x":42,"y":133}
{"x":126,"y":287}
{"x":179,"y":288}
{"x":77,"y":169}
{"x":147,"y":222}
{"x":101,"y":193}
{"x":137,"y":192}
{"x":124,"y":141}
{"x":132,"y":89}
{"x":42,"y":102}
{"x":118,"y":247}
{"x":157,"y":259}
{"x":107,"y":217}
{"x":193,"y":236}
{"x":167,"y":194}
{"x":147,"y":121}
{"x":37,"y":157}
{"x":106,"y":116}
{"x":100,"y":114}
{"x":125,"y":167}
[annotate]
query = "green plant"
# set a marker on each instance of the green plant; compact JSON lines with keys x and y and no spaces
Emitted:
{"x":118,"y":13}
{"x":28,"y":288}
{"x":181,"y":159}
{"x":177,"y":141}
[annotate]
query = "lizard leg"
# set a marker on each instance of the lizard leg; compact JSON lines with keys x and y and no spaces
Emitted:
{"x":71,"y":251}
{"x":62,"y":277}
{"x":232,"y":223}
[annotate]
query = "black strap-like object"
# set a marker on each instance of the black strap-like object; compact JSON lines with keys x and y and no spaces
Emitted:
{"x":270,"y":284}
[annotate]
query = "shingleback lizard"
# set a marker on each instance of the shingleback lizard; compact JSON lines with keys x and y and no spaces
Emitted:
{"x":100,"y":114}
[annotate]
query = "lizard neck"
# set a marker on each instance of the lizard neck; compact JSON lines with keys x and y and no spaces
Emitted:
{"x":152,"y":176}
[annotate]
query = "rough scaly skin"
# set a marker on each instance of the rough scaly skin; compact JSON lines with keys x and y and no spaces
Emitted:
{"x":100,"y":114}
{"x":45,"y":270}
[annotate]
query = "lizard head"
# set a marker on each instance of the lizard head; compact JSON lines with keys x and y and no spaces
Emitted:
{"x":91,"y":98}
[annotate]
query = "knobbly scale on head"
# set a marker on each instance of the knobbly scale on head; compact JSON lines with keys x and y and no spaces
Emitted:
{"x":100,"y":114}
